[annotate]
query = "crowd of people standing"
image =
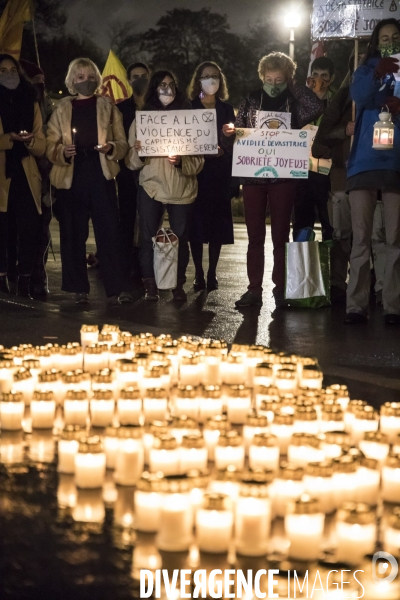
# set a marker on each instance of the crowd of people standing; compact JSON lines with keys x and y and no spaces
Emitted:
{"x":80,"y":160}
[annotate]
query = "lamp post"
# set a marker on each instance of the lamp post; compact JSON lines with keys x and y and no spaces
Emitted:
{"x":292,"y":20}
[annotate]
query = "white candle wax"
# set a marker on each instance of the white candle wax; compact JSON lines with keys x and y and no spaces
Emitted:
{"x":362,"y":426}
{"x":67,"y":450}
{"x":129,"y":461}
{"x":249,"y":432}
{"x":311,"y":427}
{"x":344,"y":488}
{"x":238,"y":409}
{"x":176,"y":522}
{"x":89,"y":335}
{"x":192,"y":458}
{"x":302,"y":455}
{"x":208,"y":408}
{"x":11,"y":414}
{"x":233,"y":370}
{"x":391,"y":484}
{"x":282,"y":492}
{"x":190,"y":374}
{"x":155,"y":409}
{"x":354,"y":542}
{"x":375,"y":450}
{"x":90,"y":467}
{"x":129,"y":411}
{"x":101,"y":412}
{"x":225,"y":456}
{"x":111,"y":447}
{"x":211,"y":371}
{"x":252,"y":526}
{"x":166,"y":461}
{"x":25,"y":386}
{"x":264,"y":457}
{"x":147,"y":511}
{"x":6,"y":379}
{"x":76,"y":412}
{"x":43,"y":413}
{"x":228,"y":488}
{"x":214,"y":530}
{"x":368,"y":484}
{"x":304,"y":533}
{"x":283,"y":432}
{"x":391,"y":426}
{"x":392,"y":541}
{"x":320,"y":488}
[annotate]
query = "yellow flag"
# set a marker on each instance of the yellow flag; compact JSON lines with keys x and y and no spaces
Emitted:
{"x":115,"y":82}
{"x":12,"y":22}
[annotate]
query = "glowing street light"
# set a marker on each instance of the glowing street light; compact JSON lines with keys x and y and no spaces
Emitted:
{"x":292,"y":20}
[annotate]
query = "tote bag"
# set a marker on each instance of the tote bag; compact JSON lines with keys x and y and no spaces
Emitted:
{"x":165,"y":245}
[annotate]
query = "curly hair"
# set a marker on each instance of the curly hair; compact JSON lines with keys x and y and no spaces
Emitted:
{"x":276,"y":61}
{"x":194,"y":87}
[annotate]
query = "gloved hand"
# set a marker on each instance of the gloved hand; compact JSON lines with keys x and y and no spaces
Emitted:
{"x":386,"y":66}
{"x":393,"y":104}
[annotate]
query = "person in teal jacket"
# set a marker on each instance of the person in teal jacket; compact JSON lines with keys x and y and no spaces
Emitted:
{"x":370,"y":170}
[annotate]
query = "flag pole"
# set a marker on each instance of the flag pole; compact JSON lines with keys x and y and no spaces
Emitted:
{"x":34,"y":32}
{"x":353,"y":104}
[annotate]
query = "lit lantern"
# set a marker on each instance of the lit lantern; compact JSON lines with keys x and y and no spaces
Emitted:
{"x":190,"y":370}
{"x":269,"y":407}
{"x":164,"y":455}
{"x":263,"y":376}
{"x":106,"y":338}
{"x":318,"y":483}
{"x":383,"y":132}
{"x":200,"y":481}
{"x":130,"y":455}
{"x":214,"y":524}
{"x":90,"y":463}
{"x":253,"y":515}
{"x":176,"y":518}
{"x":390,"y":420}
{"x":227,"y":481}
{"x":333,"y":442}
{"x":181,"y":426}
{"x":102,"y":407}
{"x":151,"y":379}
{"x":76,"y":408}
{"x":304,"y":526}
{"x":331,"y":419}
{"x":238,"y":400}
{"x":344,"y":479}
{"x":103,"y":381}
{"x":75,"y":380}
{"x":210,"y":402}
{"x":229,"y":450}
{"x":233,"y":369}
{"x":211,"y":358}
{"x":368,"y":481}
{"x":264,"y":452}
{"x":283,"y":427}
{"x":128,"y":372}
{"x":113,"y":330}
{"x":355,"y":532}
{"x":306,"y":420}
{"x":392,"y":533}
{"x":193,"y":453}
{"x":129,"y":406}
{"x":71,"y":357}
{"x":24,"y":383}
{"x":305,"y":448}
{"x":155,"y":405}
{"x":211,"y":432}
{"x":96,"y":357}
{"x":11,"y":411}
{"x":148,"y":502}
{"x":43,"y":410}
{"x":68,"y":446}
{"x":153,"y":430}
{"x":349,"y":415}
{"x":366,"y":419}
{"x":32,"y":365}
{"x":391,"y":479}
{"x":50,"y":381}
{"x":286,"y":487}
{"x":110,"y":443}
{"x":89,"y":335}
{"x":186,"y":402}
{"x":311,"y":377}
{"x":255,"y":423}
{"x":286,"y":380}
{"x":44,"y":355}
{"x":340,"y":392}
{"x":7,"y":370}
{"x":375,"y":445}
{"x":117,"y":352}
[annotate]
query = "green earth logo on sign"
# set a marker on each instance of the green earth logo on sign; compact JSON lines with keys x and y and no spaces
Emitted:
{"x":265,"y":172}
{"x":299,"y":173}
{"x":303,"y":134}
{"x":239,"y":132}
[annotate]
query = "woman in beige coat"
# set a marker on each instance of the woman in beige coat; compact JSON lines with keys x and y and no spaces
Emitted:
{"x":21,"y":139}
{"x":85,"y":140}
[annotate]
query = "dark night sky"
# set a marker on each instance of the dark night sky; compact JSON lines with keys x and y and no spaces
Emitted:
{"x":99,"y":13}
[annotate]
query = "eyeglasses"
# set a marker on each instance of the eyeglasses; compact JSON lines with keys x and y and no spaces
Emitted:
{"x":165,"y":86}
{"x":215,"y":77}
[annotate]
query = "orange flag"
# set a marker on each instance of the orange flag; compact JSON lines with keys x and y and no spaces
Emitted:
{"x":15,"y":14}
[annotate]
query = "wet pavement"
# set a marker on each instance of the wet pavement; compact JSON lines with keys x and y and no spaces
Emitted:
{"x":365,"y":357}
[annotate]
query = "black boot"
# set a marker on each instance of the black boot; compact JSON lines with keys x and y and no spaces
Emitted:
{"x":4,"y":284}
{"x":23,"y":285}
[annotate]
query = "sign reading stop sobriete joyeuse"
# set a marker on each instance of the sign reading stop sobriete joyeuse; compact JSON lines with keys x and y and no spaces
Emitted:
{"x":350,"y":18}
{"x":177,"y":132}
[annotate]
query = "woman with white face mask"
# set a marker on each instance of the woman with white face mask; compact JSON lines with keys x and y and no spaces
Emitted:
{"x":212,"y":215}
{"x":165,"y":182}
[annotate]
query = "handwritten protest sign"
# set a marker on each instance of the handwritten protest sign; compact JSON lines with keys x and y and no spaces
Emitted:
{"x":271,"y":153}
{"x":273,"y":120}
{"x":350,"y":18}
{"x":182,"y":132}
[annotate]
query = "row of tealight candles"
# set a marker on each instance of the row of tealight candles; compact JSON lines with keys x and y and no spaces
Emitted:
{"x":281,"y":445}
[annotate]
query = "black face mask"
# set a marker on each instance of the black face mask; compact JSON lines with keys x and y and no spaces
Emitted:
{"x":139,"y":86}
{"x":86,"y":88}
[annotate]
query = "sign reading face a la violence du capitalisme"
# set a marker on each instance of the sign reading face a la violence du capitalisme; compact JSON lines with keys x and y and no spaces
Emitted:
{"x":273,"y":154}
{"x":350,"y":18}
{"x":177,"y":132}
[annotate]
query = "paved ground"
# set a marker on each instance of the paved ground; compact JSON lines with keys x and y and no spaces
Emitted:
{"x":366,"y":357}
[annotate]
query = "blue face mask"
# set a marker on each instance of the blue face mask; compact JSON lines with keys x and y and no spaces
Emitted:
{"x":274,"y":89}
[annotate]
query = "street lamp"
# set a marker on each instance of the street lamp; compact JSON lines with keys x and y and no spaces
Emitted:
{"x":292,"y":20}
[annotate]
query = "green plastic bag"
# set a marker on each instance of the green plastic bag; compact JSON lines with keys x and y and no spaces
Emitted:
{"x":307,"y":274}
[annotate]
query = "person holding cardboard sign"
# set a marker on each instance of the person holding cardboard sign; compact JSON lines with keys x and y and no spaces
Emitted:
{"x":165,"y":182}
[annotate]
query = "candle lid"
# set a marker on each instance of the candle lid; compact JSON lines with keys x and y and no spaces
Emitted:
{"x":103,"y":376}
{"x":234,"y":359}
{"x":156,"y":394}
{"x":238,"y":391}
{"x":158,"y":355}
{"x":290,"y":472}
{"x":345,"y":464}
{"x":305,"y":439}
{"x":175,"y":484}
{"x":126,"y":336}
{"x":213,"y":501}
{"x":49,"y":376}
{"x":314,"y":395}
{"x":265,"y":439}
{"x":159,"y":427}
{"x":31,"y":363}
{"x":12,"y":397}
{"x":353,"y":405}
{"x":301,"y":402}
{"x":127,"y":365}
{"x":263,"y":370}
{"x":165,"y":442}
{"x":186,"y":391}
{"x":43,"y":395}
{"x":217,"y":423}
{"x":102,"y":395}
{"x":130,"y":432}
{"x":286,"y":374}
{"x":329,"y":402}
{"x":270,"y":392}
{"x":76,"y":395}
{"x":240,"y":348}
{"x":111,"y":431}
{"x":230,"y":473}
{"x":311,"y":372}
{"x":190,"y":360}
{"x":183,"y":422}
{"x":152,"y":372}
{"x":105,"y":337}
{"x":378,"y":437}
{"x":6,"y":363}
{"x":305,"y":413}
{"x":199,"y":478}
{"x":193,"y":440}
{"x":70,"y":350}
{"x":305,"y":505}
{"x":366,"y":413}
{"x":256,"y":420}
{"x":110,"y":328}
{"x":164,"y":338}
{"x":96,"y":348}
{"x":42,"y":351}
{"x":320,"y":469}
{"x":230,"y":438}
{"x":150,"y":482}
{"x":90,"y":445}
{"x":394,"y":518}
{"x":73,"y":432}
{"x":211,"y":351}
{"x":256,"y":352}
{"x":255,"y":483}
{"x":391,"y":409}
{"x":392,"y":461}
{"x":270,"y":405}
{"x":283,"y":419}
{"x":130,"y":393}
{"x":171,"y":349}
{"x":211,"y":391}
{"x":187,"y":343}
{"x":332,"y":413}
{"x":338,"y":438}
{"x":356,"y":513}
{"x":369,"y":463}
{"x":89,"y":328}
{"x":72,"y":376}
{"x":339,"y":389}
{"x":22,"y":375}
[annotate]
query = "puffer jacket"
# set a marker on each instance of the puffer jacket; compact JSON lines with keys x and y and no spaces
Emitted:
{"x":59,"y":134}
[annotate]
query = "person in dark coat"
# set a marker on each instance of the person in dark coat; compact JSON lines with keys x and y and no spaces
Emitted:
{"x":212,"y":215}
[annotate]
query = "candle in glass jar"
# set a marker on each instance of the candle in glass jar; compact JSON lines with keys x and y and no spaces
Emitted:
{"x":283,"y":427}
{"x":332,"y":419}
{"x":12,"y":409}
{"x":128,"y":372}
{"x":333,"y":442}
{"x":176,"y":518}
{"x":238,"y":403}
{"x":210,"y":402}
{"x":255,"y":423}
{"x":392,"y":533}
{"x":43,"y":410}
{"x":68,"y":446}
{"x":155,"y":405}
{"x":368,"y":481}
{"x":71,"y":357}
{"x":344,"y":479}
{"x":268,"y":407}
{"x":304,"y":448}
{"x":375,"y":445}
{"x":193,"y":453}
{"x":186,"y":402}
{"x":200,"y":480}
{"x":24,"y":383}
{"x":211,"y":432}
{"x":264,"y":452}
{"x":147,"y":500}
{"x":227,"y":481}
{"x":7,"y":370}
{"x":311,"y":377}
{"x":286,"y":487}
{"x":129,"y":461}
{"x":286,"y":380}
{"x":111,"y":446}
{"x":391,"y":479}
{"x":181,"y":426}
{"x":318,"y":484}
{"x":117,"y":352}
{"x":390,"y":420}
{"x":304,"y":526}
{"x":263,"y":376}
{"x":50,"y":380}
{"x":253,"y":515}
{"x":104,"y":380}
{"x":349,"y":414}
{"x":113,"y":330}
{"x":229,"y":450}
{"x":190,"y":371}
{"x":253,"y":357}
{"x":164,"y":455}
{"x":76,"y":408}
{"x":96,"y":357}
{"x":365,"y":420}
{"x":102,"y":407}
{"x":233,"y":370}
{"x":212,"y":358}
{"x":153,"y":430}
{"x":306,"y":420}
{"x":151,"y":379}
{"x":214,"y":524}
{"x":89,"y":335}
{"x":90,"y":463}
{"x":355,"y":532}
{"x":129,"y":406}
{"x":340,"y":392}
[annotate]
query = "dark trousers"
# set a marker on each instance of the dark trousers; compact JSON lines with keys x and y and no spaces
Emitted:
{"x":91,"y":197}
{"x":313,"y":195}
{"x":22,"y":215}
{"x":150,"y":214}
{"x":127,"y":182}
{"x":280,"y":197}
